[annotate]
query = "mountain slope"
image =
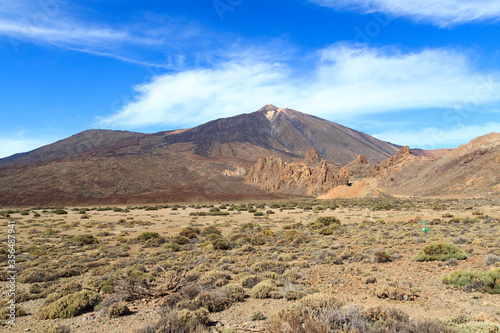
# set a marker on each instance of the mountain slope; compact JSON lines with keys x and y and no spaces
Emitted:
{"x":288,"y":132}
{"x":470,"y":170}
{"x":205,"y":162}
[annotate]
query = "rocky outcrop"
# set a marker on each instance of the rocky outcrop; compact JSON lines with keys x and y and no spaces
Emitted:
{"x":358,"y":168}
{"x":313,"y":176}
{"x":401,"y":159}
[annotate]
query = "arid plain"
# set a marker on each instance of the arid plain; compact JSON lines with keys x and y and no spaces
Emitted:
{"x":261,"y":266}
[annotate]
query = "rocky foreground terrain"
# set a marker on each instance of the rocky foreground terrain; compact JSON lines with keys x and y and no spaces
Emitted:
{"x":311,"y":266}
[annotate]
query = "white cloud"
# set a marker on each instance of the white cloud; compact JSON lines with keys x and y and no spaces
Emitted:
{"x":59,"y":23}
{"x":13,"y":145}
{"x":345,"y":82}
{"x":442,"y":13}
{"x":432,"y":138}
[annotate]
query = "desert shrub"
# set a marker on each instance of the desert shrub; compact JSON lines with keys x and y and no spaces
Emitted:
{"x":316,"y":301}
{"x":263,"y":289}
{"x":291,"y":274}
{"x":211,"y":302}
{"x":451,"y":262}
{"x":82,"y":240}
{"x":5,"y":312}
{"x":70,"y":305}
{"x":331,"y":319}
{"x":58,"y":329}
{"x":132,"y":284}
{"x":220,"y":244}
{"x":257,"y":315}
{"x":181,"y":240}
{"x":191,"y":290}
{"x":396,"y":291}
{"x":34,"y":275}
{"x":293,"y":295}
{"x":174,"y":246}
{"x":67,"y":289}
{"x":60,"y":211}
{"x":269,"y":265}
{"x":183,"y":321}
{"x":118,"y":309}
{"x":481,"y":281}
{"x":145,"y":236}
{"x":35,"y":288}
{"x":461,"y":240}
{"x":325,"y":221}
{"x":369,"y":280}
{"x":210,"y":230}
{"x":214,"y":278}
{"x":491,"y":259}
{"x":468,"y":220}
{"x":234,"y":292}
{"x":250,"y":281}
{"x":381,"y":257}
{"x":189,"y":232}
{"x":441,"y":252}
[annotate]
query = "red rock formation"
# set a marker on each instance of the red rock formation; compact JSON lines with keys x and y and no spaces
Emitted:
{"x":401,"y":159}
{"x":313,"y":176}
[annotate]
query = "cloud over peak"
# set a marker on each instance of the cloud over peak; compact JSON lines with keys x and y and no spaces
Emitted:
{"x":345,"y":81}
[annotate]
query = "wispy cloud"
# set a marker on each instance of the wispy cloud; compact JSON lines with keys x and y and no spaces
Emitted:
{"x":346,"y":82}
{"x":443,"y":13}
{"x":432,"y":138}
{"x":57,"y":23}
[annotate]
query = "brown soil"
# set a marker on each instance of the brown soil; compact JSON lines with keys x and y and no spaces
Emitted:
{"x":399,"y":234}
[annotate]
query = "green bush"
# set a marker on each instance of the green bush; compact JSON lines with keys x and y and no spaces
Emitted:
{"x":293,"y":295}
{"x":189,"y":232}
{"x":220,"y":244}
{"x":118,"y":309}
{"x":174,"y":246}
{"x":210,"y":230}
{"x":440,"y":252}
{"x":487,"y":281}
{"x":178,"y":239}
{"x":183,"y":321}
{"x":263,"y":289}
{"x":325,"y":221}
{"x":35,"y":288}
{"x":81,"y":240}
{"x":234,"y":292}
{"x":147,"y":235}
{"x":5,"y":312}
{"x":211,"y":302}
{"x":67,"y":289}
{"x":70,"y":305}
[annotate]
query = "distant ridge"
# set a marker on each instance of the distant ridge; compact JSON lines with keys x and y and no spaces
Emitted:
{"x":200,"y":163}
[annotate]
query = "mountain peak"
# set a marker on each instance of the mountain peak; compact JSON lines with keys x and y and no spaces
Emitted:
{"x":268,"y":107}
{"x":270,"y":111}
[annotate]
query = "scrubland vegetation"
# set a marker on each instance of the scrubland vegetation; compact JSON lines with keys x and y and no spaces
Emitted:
{"x":313,"y":266}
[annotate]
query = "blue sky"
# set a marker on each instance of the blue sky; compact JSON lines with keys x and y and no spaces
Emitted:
{"x":424,"y":73}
